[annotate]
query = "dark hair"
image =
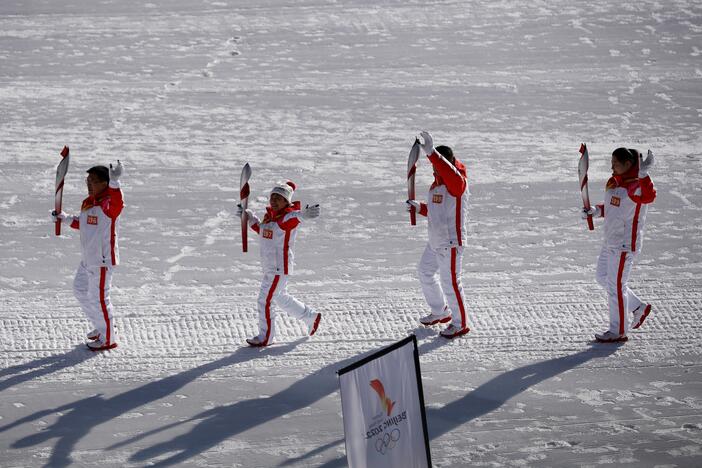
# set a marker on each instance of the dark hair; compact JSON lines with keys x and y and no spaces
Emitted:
{"x":101,"y":172}
{"x":626,"y":154}
{"x":446,"y":152}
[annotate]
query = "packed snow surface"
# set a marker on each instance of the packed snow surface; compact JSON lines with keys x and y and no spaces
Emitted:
{"x":330,"y":95}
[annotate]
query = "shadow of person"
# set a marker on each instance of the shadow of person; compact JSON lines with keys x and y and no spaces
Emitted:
{"x":80,"y":417}
{"x":223,"y":422}
{"x":43,"y":366}
{"x":497,"y":391}
{"x":491,"y":395}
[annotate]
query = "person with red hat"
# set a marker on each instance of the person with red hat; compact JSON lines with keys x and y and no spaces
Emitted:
{"x":277,"y":232}
{"x":98,"y":225}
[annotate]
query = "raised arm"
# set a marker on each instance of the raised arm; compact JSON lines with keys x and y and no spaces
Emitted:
{"x":454,"y":180}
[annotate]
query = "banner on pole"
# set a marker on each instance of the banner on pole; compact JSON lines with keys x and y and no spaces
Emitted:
{"x":383,"y":406}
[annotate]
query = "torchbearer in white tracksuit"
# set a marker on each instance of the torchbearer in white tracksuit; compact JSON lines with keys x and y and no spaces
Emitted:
{"x":628,"y":193}
{"x":98,"y":226}
{"x":445,"y":209}
{"x":277,"y":232}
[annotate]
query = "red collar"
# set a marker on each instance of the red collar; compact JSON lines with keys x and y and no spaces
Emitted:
{"x":626,"y":180}
{"x":95,"y":200}
{"x":276,"y":215}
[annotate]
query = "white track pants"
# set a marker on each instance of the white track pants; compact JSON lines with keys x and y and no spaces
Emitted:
{"x":91,"y":287}
{"x":446,"y":290}
{"x":613,"y":269}
{"x":274,"y":289}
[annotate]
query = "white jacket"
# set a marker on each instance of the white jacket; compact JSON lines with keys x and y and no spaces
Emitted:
{"x":624,"y":210}
{"x":98,"y":225}
{"x":278,"y":232}
{"x":447,"y":204}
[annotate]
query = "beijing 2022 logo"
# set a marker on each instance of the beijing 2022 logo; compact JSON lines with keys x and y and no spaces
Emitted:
{"x":385,"y":426}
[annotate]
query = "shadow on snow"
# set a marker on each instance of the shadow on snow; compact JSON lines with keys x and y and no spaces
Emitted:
{"x":220,"y":423}
{"x":489,"y":396}
{"x":80,"y":417}
{"x":43,"y":366}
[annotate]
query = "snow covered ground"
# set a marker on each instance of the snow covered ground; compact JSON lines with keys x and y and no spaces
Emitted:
{"x":330,"y":94}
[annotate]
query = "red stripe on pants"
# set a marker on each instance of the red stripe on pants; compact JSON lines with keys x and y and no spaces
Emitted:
{"x":268,"y":308}
{"x":620,"y":293}
{"x":103,"y":305}
{"x":454,"y":280}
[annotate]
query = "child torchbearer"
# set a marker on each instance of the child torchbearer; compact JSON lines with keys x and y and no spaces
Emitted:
{"x":627,"y":195}
{"x":277,"y":232}
{"x":446,"y":210}
{"x":98,"y":223}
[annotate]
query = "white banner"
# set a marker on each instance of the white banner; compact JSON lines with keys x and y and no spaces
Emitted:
{"x":383,"y":406}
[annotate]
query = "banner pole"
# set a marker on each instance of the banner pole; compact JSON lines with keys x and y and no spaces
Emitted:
{"x":420,"y":391}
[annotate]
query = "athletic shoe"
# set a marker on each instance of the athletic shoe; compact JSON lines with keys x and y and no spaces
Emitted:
{"x":609,"y":337}
{"x":98,"y":345}
{"x":452,"y":331}
{"x":257,"y":342}
{"x":93,"y":335}
{"x":433,"y":319}
{"x":640,"y":315}
{"x":312,"y":329}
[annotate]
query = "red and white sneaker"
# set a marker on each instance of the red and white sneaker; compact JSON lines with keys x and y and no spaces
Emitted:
{"x":312,"y":329}
{"x":609,"y":337}
{"x":452,"y":331}
{"x":258,"y":342}
{"x":98,"y":345}
{"x":433,"y":319}
{"x":640,"y":315}
{"x":93,"y":335}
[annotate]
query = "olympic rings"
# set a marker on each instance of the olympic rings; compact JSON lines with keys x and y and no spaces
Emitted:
{"x":387,"y":441}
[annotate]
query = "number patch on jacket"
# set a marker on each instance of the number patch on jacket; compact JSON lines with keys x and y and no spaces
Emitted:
{"x":615,"y":201}
{"x":92,"y":220}
{"x":437,"y":198}
{"x":268,"y":234}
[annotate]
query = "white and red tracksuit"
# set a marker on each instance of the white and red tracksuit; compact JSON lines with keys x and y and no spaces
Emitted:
{"x":624,"y":209}
{"x":277,"y":232}
{"x":98,"y":223}
{"x":446,"y":210}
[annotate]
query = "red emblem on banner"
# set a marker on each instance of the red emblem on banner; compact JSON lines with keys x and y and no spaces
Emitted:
{"x":386,"y":402}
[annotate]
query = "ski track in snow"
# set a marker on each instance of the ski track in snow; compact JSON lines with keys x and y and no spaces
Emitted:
{"x":330,"y":95}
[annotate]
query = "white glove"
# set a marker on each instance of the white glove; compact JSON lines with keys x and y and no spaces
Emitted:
{"x":116,"y":171}
{"x":594,"y":211}
{"x":428,"y":145}
{"x":311,"y":212}
{"x":413,"y":204}
{"x":645,"y":165}
{"x":56,"y":216}
{"x":252,"y":218}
